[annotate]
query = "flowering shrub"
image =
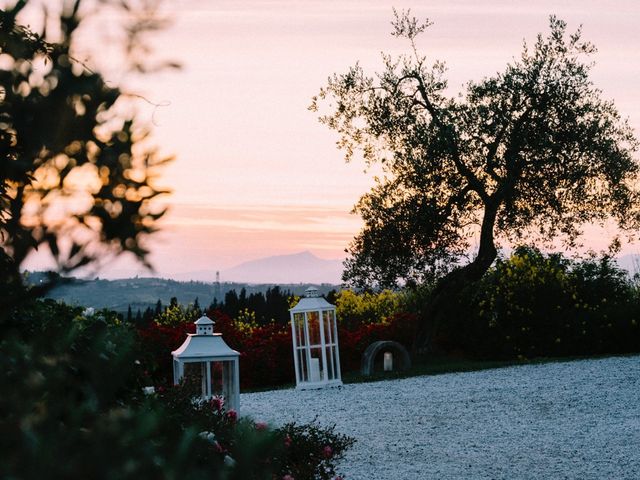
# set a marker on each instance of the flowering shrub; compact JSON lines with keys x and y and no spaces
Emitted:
{"x":303,"y":452}
{"x":156,"y":342}
{"x":356,"y":309}
{"x":311,"y":451}
{"x":245,"y":321}
{"x":266,"y":356}
{"x":546,"y":305}
{"x":265,"y":351}
{"x":73,"y":407}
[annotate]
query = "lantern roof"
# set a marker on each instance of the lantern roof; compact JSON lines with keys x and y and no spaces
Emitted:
{"x":204,"y":320}
{"x":312,"y":301}
{"x":204,"y":347}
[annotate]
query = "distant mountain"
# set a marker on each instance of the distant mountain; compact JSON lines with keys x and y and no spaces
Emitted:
{"x":301,"y":267}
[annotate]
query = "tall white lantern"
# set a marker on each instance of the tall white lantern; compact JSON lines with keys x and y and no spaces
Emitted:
{"x":314,"y":333}
{"x":206,"y":355}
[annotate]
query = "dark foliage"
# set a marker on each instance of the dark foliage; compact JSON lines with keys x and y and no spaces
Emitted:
{"x":270,"y":306}
{"x":312,"y":451}
{"x":266,"y":357}
{"x":73,"y":406}
{"x":73,"y":177}
{"x":72,"y":402}
{"x":534,"y":305}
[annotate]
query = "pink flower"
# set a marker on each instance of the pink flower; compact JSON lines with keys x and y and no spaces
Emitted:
{"x":216,"y":403}
{"x":261,"y":426}
{"x":287,"y":441}
{"x":232,"y":415}
{"x":327,"y":452}
{"x":288,"y":477}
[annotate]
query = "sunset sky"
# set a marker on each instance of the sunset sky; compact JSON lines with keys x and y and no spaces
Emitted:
{"x":255,"y":173}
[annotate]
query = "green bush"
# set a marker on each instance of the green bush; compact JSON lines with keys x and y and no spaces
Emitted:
{"x":533,"y":304}
{"x":73,"y":406}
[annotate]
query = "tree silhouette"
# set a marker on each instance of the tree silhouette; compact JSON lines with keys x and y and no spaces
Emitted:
{"x":531,"y":153}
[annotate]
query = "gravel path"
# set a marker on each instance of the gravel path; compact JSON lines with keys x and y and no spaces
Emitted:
{"x":575,"y":420}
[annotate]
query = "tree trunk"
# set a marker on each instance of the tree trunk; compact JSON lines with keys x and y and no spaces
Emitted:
{"x":450,"y":286}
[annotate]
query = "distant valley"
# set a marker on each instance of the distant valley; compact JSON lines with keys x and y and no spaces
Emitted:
{"x":290,"y":272}
{"x":141,"y":293}
{"x":286,"y":271}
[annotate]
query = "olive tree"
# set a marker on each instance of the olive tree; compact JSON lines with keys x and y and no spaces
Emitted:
{"x":531,"y":153}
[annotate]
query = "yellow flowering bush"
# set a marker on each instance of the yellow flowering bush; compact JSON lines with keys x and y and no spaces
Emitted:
{"x":532,"y":304}
{"x":366,"y":308}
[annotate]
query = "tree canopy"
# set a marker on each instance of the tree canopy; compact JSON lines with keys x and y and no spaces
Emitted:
{"x":533,"y":152}
{"x":76,"y":174}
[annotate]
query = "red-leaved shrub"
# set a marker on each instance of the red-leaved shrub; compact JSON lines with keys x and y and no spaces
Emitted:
{"x":266,"y":354}
{"x":400,"y":327}
{"x":266,"y":357}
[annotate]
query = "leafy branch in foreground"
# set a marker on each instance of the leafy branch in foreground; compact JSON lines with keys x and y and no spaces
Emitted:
{"x":77,"y":174}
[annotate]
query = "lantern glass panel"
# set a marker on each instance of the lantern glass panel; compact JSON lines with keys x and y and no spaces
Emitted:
{"x":315,"y":365}
{"x":313,"y":322}
{"x":226,"y":376}
{"x":330,"y":363}
{"x":328,"y":326}
{"x":298,"y":321}
{"x":217,"y":380}
{"x":302,"y":365}
{"x":194,"y":377}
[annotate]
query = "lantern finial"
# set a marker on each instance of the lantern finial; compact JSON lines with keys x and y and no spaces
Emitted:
{"x":204,"y":326}
{"x":311,"y":292}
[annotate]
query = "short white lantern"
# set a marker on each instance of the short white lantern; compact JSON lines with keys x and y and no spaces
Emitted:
{"x":314,"y":333}
{"x":206,"y":355}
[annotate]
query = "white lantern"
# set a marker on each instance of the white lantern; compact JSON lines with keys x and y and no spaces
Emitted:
{"x":314,"y":333}
{"x":206,"y":355}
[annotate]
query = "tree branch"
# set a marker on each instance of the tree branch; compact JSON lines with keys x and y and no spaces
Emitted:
{"x":474,"y":183}
{"x":511,"y":155}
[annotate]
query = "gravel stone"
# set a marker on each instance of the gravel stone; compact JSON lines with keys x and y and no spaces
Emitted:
{"x":569,"y":420}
